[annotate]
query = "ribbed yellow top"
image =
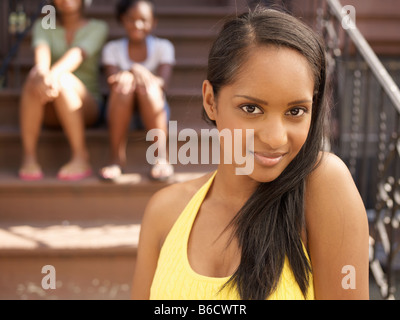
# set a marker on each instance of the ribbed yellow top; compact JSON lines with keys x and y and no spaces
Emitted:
{"x":174,"y":278}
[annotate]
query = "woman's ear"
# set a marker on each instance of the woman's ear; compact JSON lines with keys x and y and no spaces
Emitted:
{"x":209,"y":103}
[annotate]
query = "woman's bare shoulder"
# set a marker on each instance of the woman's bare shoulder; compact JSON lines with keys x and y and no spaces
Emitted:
{"x":337,"y":229}
{"x":165,"y":206}
{"x":331,"y":181}
{"x":332,"y":198}
{"x":329,"y":164}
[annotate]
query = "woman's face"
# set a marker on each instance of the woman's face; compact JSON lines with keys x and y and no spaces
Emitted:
{"x":138,"y":21}
{"x":68,"y":6}
{"x":273,"y":95}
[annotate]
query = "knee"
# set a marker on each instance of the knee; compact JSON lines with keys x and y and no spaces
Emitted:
{"x":155,"y":97}
{"x":36,"y":88}
{"x":66,"y":82}
{"x":30,"y":86}
{"x":122,"y":98}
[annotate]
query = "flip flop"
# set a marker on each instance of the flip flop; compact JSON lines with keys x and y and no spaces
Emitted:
{"x":169,"y":168}
{"x":116,"y":172}
{"x":30,"y":176}
{"x":75,"y":177}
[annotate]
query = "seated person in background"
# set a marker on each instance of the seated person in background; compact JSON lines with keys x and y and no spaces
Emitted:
{"x":62,"y":89}
{"x":138,"y":68}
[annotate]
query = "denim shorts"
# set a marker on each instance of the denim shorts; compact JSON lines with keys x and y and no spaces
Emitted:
{"x":137,"y":124}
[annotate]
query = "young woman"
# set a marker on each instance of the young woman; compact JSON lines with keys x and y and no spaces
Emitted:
{"x":62,"y":88}
{"x":296,"y":227}
{"x":138,"y":69}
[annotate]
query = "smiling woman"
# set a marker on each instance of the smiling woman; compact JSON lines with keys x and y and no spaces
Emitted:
{"x":273,"y":97}
{"x":285,"y":230}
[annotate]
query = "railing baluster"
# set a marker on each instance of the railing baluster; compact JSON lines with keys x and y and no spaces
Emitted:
{"x":393,"y":210}
{"x":355,"y":118}
{"x":365,"y":154}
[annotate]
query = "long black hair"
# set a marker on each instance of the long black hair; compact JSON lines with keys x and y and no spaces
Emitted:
{"x":269,"y":225}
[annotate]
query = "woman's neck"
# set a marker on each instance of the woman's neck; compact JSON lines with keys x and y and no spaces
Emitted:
{"x":137,"y":43}
{"x":236,"y":189}
{"x":72,"y":20}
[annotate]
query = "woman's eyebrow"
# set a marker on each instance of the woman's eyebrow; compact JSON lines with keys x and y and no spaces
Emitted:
{"x":260,"y":101}
{"x":299,"y":102}
{"x":252,"y":98}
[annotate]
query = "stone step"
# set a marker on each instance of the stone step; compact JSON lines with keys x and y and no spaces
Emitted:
{"x":197,"y":17}
{"x":54,"y":151}
{"x":87,"y":200}
{"x":87,"y":230}
{"x":188,"y":74}
{"x":79,"y":237}
{"x":378,"y":21}
{"x":91,"y":260}
{"x":382,"y":35}
{"x":187,"y":43}
{"x":185,"y":105}
{"x":194,"y":3}
{"x":372,"y":9}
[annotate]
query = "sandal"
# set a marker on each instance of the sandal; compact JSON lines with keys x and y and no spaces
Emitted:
{"x":161,"y":171}
{"x":30,"y":176}
{"x":74,"y":170}
{"x":30,"y":173}
{"x":74,"y":176}
{"x":110,"y":173}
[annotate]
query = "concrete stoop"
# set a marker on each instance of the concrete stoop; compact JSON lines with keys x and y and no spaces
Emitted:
{"x":90,"y":261}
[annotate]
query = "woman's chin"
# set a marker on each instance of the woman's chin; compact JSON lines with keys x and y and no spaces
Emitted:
{"x":264,"y":175}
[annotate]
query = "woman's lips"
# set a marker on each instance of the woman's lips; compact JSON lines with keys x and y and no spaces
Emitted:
{"x":268,"y":159}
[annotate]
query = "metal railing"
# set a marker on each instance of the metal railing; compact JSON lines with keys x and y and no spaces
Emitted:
{"x":368,"y":134}
{"x":17,"y":19}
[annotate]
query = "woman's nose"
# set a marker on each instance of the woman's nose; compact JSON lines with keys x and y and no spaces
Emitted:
{"x":273,"y":133}
{"x":139,"y":24}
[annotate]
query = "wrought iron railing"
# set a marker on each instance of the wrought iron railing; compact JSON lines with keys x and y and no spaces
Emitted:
{"x":368,"y":137}
{"x":17,"y":19}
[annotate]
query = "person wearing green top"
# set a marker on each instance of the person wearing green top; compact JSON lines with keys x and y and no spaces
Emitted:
{"x":62,"y":89}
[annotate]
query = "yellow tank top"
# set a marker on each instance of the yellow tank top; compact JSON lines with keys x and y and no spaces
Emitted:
{"x":174,"y":278}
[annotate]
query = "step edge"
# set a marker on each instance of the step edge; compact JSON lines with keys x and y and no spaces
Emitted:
{"x":73,"y":240}
{"x":8,"y":185}
{"x":182,"y":63}
{"x":14,"y":93}
{"x":67,"y":252}
{"x":174,"y":10}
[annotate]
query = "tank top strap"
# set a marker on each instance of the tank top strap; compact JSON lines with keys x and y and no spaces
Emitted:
{"x":188,"y":215}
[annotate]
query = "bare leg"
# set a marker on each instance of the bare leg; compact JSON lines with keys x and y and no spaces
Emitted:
{"x":120,"y":110}
{"x":75,"y":108}
{"x":154,"y":116}
{"x":31,"y":118}
{"x":120,"y":114}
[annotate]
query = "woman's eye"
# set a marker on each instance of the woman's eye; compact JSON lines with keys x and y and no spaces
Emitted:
{"x":251,"y":109}
{"x":296,"y":112}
